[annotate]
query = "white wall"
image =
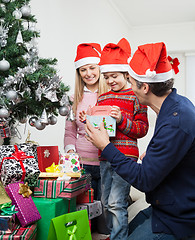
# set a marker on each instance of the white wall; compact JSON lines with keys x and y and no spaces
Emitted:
{"x":63,"y":24}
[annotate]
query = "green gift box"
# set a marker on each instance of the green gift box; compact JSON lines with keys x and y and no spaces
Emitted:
{"x":51,"y":208}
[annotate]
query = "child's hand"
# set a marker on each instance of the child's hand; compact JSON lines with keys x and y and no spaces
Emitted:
{"x":82,"y":116}
{"x":116,"y":113}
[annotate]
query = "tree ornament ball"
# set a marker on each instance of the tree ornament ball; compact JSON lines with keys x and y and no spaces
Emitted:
{"x":4,"y":65}
{"x":17,"y":14}
{"x":52,"y":120}
{"x":4,"y":113}
{"x":39,"y":125}
{"x":63,"y":111}
{"x":25,"y":10}
{"x":11,"y":95}
{"x":32,"y":121}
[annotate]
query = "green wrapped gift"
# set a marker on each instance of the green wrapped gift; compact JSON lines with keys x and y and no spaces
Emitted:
{"x":51,"y":208}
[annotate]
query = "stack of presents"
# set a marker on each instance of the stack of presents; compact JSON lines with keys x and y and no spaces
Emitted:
{"x":44,"y":195}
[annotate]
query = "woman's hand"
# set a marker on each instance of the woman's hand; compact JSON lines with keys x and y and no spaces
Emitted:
{"x":82,"y":116}
{"x":98,"y":137}
{"x":116,"y":113}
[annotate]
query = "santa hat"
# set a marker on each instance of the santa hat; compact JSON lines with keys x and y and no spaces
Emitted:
{"x":114,"y":57}
{"x":87,"y":53}
{"x":150,"y":63}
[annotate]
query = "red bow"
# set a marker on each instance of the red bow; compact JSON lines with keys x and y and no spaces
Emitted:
{"x":174,"y":62}
{"x":19,"y":155}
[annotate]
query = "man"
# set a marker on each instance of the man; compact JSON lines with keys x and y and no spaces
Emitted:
{"x":167,"y":172}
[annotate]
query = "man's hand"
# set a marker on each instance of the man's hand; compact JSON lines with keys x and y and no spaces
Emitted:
{"x":98,"y":137}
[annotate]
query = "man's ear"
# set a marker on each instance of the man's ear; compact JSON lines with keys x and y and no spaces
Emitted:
{"x":146,"y":88}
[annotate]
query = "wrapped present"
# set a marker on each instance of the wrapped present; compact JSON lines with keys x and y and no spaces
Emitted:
{"x":20,"y":233}
{"x":46,"y":156}
{"x":7,"y":223}
{"x":57,"y":207}
{"x":94,"y":209}
{"x":29,"y":148}
{"x":98,"y":114}
{"x":60,"y":189}
{"x":27,"y":211}
{"x":4,"y":198}
{"x":19,"y":167}
{"x":69,"y":162}
{"x":86,"y":196}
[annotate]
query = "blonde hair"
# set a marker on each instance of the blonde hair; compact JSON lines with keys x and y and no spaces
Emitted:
{"x":79,"y":89}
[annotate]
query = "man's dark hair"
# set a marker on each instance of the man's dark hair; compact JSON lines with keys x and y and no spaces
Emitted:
{"x":158,"y":89}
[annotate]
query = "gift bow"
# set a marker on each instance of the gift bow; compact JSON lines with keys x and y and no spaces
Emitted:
{"x":72,"y":233}
{"x":19,"y":155}
{"x":174,"y":62}
{"x":8,"y":209}
{"x":24,"y":190}
{"x":53,"y":168}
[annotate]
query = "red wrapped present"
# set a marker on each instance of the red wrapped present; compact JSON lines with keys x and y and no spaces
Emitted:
{"x":21,"y":233}
{"x":46,"y":156}
{"x":86,"y":196}
{"x":19,"y":167}
{"x":27,"y":211}
{"x":59,"y":188}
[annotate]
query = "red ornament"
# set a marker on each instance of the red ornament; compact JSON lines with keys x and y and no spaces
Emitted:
{"x":174,"y":62}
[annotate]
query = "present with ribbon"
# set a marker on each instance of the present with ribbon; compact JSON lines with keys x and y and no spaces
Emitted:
{"x":20,"y":196}
{"x":70,"y":226}
{"x":86,"y":196}
{"x":7,"y":217}
{"x":4,"y":198}
{"x":19,"y":167}
{"x":60,"y":188}
{"x":27,"y":233}
{"x":69,"y":162}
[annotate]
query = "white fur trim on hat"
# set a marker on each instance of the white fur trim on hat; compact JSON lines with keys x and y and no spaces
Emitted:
{"x":87,"y":60}
{"x":114,"y":68}
{"x":154,"y":78}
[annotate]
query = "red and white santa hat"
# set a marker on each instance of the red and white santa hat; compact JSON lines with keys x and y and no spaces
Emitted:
{"x":87,"y":53}
{"x":114,"y":57}
{"x":150,"y":63}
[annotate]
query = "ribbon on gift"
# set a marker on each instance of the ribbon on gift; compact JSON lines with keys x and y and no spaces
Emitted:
{"x":72,"y":232}
{"x":24,"y":190}
{"x":18,"y":156}
{"x":53,"y":168}
{"x":7,"y":209}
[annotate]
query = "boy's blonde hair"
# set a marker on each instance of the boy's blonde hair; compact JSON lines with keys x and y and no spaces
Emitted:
{"x":79,"y":89}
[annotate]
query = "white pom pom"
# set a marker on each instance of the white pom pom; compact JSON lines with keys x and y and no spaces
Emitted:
{"x":150,"y":74}
{"x":129,"y":59}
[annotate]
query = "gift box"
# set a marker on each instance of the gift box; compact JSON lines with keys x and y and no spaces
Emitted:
{"x":56,"y":207}
{"x":4,"y":198}
{"x":69,"y":162}
{"x":98,"y":114}
{"x":60,"y":189}
{"x":27,"y":211}
{"x":86,"y":196}
{"x":94,"y":209}
{"x":20,"y":233}
{"x":29,"y":148}
{"x":19,"y":167}
{"x":7,"y":223}
{"x":46,"y":156}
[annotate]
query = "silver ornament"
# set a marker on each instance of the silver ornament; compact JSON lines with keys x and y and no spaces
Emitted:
{"x":52,"y":120}
{"x":4,"y":65}
{"x":17,"y":14}
{"x":43,"y":118}
{"x":11,"y":95}
{"x":25,"y":10}
{"x":4,"y":113}
{"x":64,"y":111}
{"x":19,"y":39}
{"x":39,"y":125}
{"x":32,"y":121}
{"x":71,"y":116}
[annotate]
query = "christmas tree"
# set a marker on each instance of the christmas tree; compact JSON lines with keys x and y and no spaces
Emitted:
{"x":30,"y":89}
